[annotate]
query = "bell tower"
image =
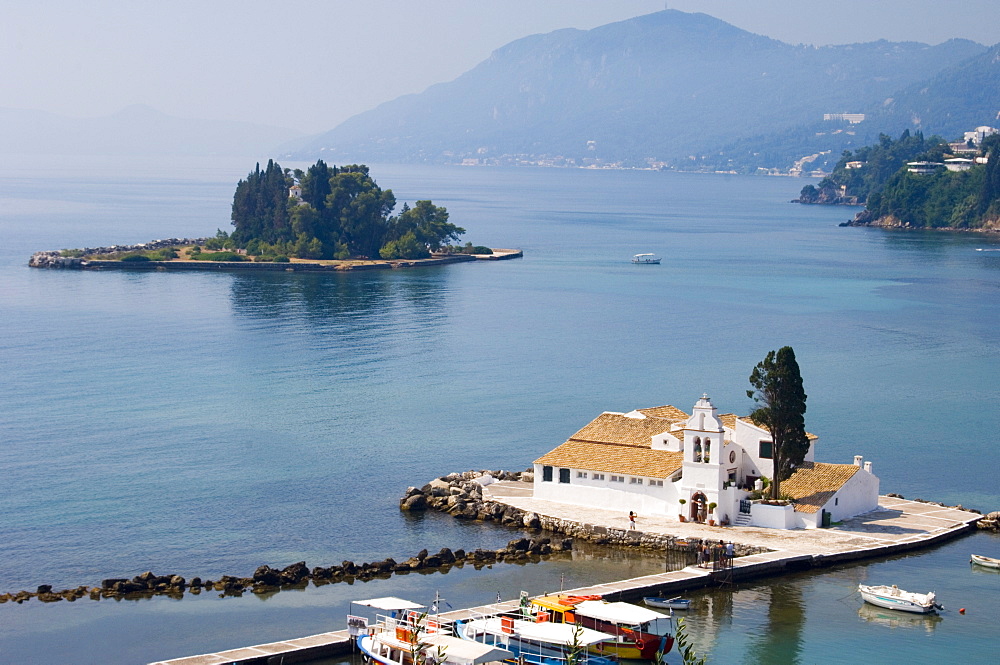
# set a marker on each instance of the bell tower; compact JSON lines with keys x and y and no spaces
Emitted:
{"x":703,"y":434}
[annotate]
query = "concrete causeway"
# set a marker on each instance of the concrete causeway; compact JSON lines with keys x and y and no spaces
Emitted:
{"x":898,"y":525}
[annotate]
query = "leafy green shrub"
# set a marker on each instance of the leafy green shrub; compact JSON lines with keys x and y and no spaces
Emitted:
{"x":479,"y":249}
{"x":407,"y":247}
{"x":135,"y":258}
{"x":219,"y":256}
{"x":71,"y":253}
{"x":281,"y":259}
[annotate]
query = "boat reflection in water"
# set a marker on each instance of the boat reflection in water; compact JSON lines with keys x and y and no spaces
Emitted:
{"x":893,"y":619}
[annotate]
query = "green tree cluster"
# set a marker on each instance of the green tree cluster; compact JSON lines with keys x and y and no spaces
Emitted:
{"x":342,"y":213}
{"x":880,"y":162}
{"x":945,"y":199}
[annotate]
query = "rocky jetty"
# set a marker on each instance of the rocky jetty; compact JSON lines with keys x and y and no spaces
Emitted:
{"x":54,"y":260}
{"x":74,"y":258}
{"x":267,"y":580}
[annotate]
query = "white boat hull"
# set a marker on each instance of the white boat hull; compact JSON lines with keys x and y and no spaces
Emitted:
{"x":985,"y":561}
{"x":893,"y":598}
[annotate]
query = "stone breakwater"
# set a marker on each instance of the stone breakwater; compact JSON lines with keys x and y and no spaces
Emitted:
{"x":55,"y":258}
{"x":266,"y":580}
{"x":461,"y":496}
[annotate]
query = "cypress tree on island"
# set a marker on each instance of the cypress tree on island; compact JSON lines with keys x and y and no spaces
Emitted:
{"x":777,"y":390}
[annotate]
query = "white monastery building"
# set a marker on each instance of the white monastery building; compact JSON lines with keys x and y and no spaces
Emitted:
{"x":648,"y":460}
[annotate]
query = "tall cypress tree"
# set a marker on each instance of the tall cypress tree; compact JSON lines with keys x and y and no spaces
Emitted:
{"x":260,"y":206}
{"x":777,"y":390}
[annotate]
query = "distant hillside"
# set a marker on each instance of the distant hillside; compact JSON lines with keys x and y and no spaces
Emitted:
{"x":943,"y":199}
{"x":136,"y":130}
{"x":955,"y":100}
{"x":662,"y":87}
{"x":860,"y":173}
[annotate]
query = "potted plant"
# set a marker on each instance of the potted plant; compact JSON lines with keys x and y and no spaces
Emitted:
{"x":711,"y":513}
{"x":680,"y":516}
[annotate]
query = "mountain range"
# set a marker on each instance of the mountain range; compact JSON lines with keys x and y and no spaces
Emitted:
{"x":672,"y":89}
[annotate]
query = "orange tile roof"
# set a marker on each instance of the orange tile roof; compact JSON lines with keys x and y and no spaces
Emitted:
{"x":668,"y":412}
{"x":618,"y":428}
{"x":815,"y":483}
{"x":729,"y":420}
{"x":614,"y":458}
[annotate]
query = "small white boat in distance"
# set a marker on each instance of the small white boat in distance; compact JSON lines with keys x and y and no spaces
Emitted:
{"x":985,"y":561}
{"x":649,"y":259}
{"x":894,"y":598}
{"x":668,"y":603}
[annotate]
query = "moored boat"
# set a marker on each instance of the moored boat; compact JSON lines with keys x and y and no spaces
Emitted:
{"x":646,"y":259}
{"x":677,"y":603}
{"x":409,"y":635}
{"x":985,"y":561}
{"x":631,"y":625}
{"x":894,"y":598}
{"x":535,"y":641}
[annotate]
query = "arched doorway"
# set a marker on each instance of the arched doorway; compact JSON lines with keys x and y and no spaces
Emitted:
{"x":699,"y":507}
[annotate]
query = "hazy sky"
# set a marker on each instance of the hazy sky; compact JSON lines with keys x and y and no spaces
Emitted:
{"x":309,"y":65}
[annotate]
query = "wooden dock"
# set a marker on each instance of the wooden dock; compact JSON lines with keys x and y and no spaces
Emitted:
{"x":899,"y":525}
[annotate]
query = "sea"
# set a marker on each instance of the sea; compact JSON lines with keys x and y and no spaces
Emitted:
{"x":204,"y":424}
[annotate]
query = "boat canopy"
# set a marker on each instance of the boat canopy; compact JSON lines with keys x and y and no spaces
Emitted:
{"x":389,"y":604}
{"x":464,"y":652}
{"x":618,"y":613}
{"x":639,"y":256}
{"x":560,"y":633}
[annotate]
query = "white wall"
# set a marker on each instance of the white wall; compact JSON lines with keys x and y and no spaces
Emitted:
{"x":858,"y":495}
{"x":625,"y":496}
{"x":771,"y":517}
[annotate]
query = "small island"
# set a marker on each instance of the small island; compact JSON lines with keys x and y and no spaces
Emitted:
{"x":324,"y":218}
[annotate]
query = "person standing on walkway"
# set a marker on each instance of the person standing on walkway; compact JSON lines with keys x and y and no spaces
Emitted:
{"x":631,"y":520}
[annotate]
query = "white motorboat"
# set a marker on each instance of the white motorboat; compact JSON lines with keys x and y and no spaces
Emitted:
{"x":985,"y":561}
{"x":646,"y":259}
{"x":894,"y":598}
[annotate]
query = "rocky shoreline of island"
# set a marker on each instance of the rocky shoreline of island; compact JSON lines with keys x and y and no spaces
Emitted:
{"x":890,"y":222}
{"x":90,"y":258}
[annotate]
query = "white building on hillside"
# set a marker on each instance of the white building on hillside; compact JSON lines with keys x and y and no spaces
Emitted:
{"x":649,"y":460}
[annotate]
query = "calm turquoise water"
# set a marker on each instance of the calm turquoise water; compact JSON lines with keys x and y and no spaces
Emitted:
{"x":204,"y":424}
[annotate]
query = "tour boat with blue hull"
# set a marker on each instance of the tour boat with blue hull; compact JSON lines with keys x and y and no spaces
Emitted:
{"x":535,"y":642}
{"x":385,"y":648}
{"x":409,"y":636}
{"x":894,"y":598}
